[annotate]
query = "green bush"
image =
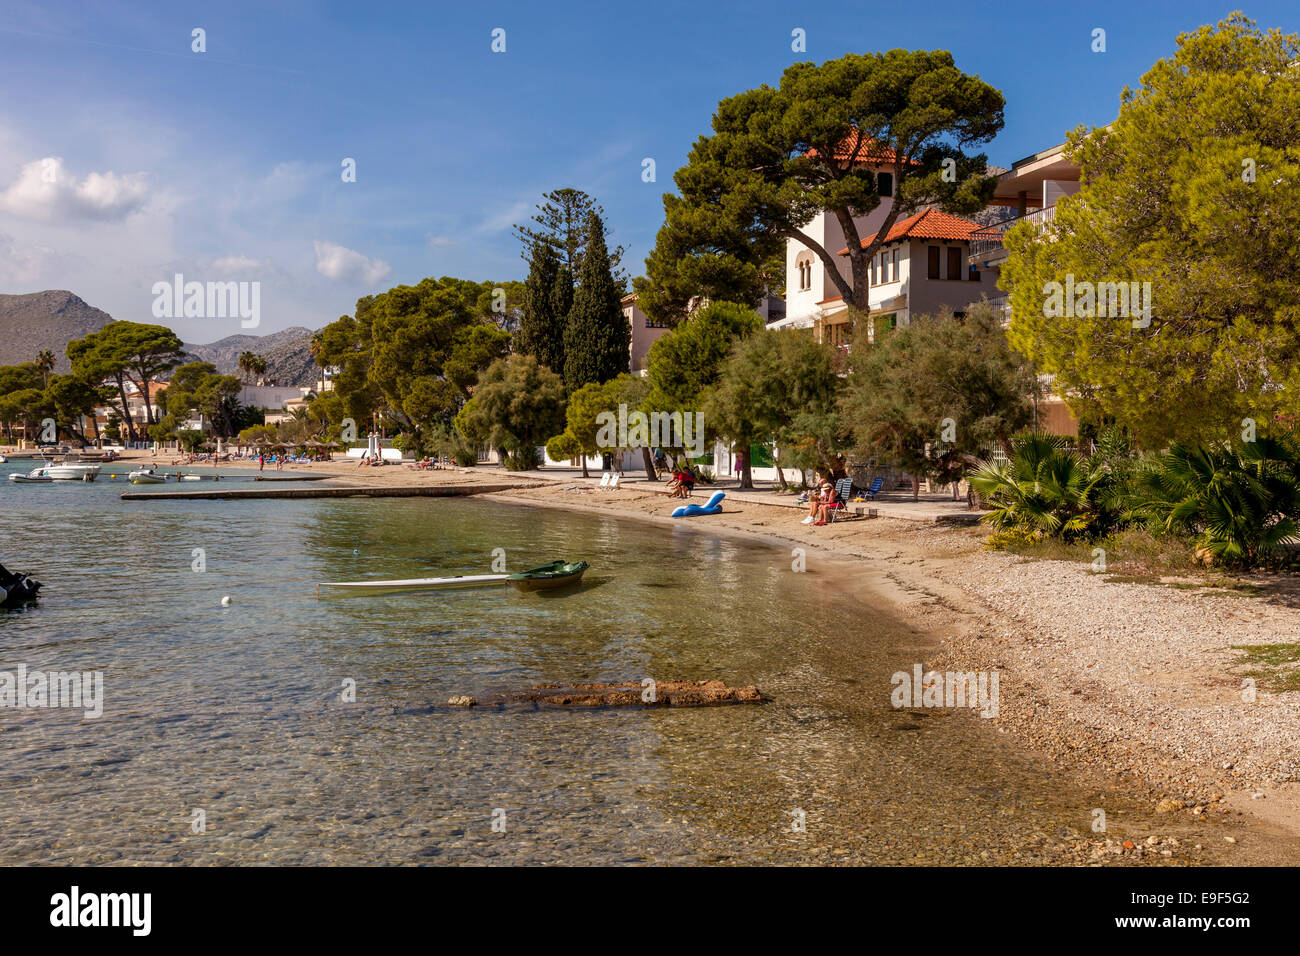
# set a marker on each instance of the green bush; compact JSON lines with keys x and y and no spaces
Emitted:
{"x":1234,"y":504}
{"x":1238,"y":501}
{"x":1044,"y":486}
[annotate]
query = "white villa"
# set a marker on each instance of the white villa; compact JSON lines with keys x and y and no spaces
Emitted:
{"x":928,"y":261}
{"x":922,"y":265}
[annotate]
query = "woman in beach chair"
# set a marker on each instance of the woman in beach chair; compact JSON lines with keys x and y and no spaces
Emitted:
{"x":814,"y":502}
{"x":831,"y":501}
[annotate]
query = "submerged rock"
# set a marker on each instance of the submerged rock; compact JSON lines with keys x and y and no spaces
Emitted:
{"x":702,"y":693}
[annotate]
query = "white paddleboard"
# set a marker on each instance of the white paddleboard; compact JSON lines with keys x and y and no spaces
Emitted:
{"x":420,"y":584}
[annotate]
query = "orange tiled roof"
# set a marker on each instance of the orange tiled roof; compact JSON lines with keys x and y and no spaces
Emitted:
{"x":927,"y":224}
{"x":867,"y":150}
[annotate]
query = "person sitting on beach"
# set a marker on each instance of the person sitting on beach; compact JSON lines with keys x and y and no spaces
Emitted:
{"x":830,"y":501}
{"x":814,"y":503}
{"x":685,"y":482}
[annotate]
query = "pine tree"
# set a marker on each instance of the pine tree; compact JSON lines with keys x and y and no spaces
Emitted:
{"x":561,"y":223}
{"x":598,"y":338}
{"x":548,"y":293}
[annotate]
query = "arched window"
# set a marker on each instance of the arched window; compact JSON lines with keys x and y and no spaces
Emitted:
{"x":805,"y":266}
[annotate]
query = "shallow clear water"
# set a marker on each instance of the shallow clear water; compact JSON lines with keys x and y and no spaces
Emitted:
{"x":237,"y":711}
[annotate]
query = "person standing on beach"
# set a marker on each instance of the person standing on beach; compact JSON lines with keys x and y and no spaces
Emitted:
{"x":261,"y":461}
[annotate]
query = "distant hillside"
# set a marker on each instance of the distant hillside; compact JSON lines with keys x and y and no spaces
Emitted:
{"x":287,"y":354}
{"x":45,"y":320}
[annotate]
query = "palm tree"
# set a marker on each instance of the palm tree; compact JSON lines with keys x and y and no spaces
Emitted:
{"x":1045,"y":487}
{"x":1239,"y":501}
{"x":45,"y":362}
{"x":250,"y":363}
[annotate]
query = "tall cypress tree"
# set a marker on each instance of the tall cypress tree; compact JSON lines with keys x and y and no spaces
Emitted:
{"x":598,"y":338}
{"x":548,"y":292}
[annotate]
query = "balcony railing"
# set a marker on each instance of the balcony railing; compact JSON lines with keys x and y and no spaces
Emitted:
{"x":986,"y":243}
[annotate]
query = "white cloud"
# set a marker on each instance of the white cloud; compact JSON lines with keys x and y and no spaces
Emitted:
{"x":505,"y":218}
{"x":238,"y":265}
{"x":437,"y":242}
{"x":46,"y":191}
{"x":23,"y":265}
{"x":345,"y":265}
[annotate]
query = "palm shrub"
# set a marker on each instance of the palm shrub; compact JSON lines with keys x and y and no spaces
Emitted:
{"x":1045,"y":488}
{"x":1238,"y":501}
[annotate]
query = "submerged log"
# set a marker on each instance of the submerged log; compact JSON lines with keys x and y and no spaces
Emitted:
{"x":679,"y":693}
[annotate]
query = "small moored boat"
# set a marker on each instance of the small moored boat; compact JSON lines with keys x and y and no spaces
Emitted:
{"x":35,"y":475}
{"x":146,"y":476}
{"x":16,"y":588}
{"x":420,"y":584}
{"x":72,"y":468}
{"x":557,"y":574}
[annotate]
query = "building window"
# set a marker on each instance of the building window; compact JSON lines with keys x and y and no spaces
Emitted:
{"x":805,"y":265}
{"x":885,"y":184}
{"x":882,"y":325}
{"x":932,"y":271}
{"x":955,"y":262}
{"x":875,"y":276}
{"x":650,"y":324}
{"x":895,"y":269}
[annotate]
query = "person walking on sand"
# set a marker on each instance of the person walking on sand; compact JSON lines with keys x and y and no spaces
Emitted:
{"x":261,"y":461}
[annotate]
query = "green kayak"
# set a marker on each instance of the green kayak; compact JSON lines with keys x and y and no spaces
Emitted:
{"x":557,"y":574}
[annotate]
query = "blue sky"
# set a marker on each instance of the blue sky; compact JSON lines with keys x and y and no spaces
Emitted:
{"x":226,"y":165}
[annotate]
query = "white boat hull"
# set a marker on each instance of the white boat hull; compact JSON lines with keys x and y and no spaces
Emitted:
{"x":421,"y":584}
{"x":73,"y":472}
{"x":28,"y":479}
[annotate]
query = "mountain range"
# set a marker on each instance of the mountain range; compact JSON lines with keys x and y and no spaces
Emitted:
{"x":35,"y":321}
{"x":287,"y":353}
{"x":31,"y":323}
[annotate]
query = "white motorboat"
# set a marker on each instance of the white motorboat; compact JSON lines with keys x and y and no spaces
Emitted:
{"x":35,"y":475}
{"x":72,"y":468}
{"x":72,"y":471}
{"x":146,"y":476}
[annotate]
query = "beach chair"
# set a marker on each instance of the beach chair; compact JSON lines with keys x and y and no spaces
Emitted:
{"x":614,"y":481}
{"x":604,"y":479}
{"x":843,"y":489}
{"x":876,"y":484}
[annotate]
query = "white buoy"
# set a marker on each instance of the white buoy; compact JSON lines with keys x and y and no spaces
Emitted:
{"x":225,"y":601}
